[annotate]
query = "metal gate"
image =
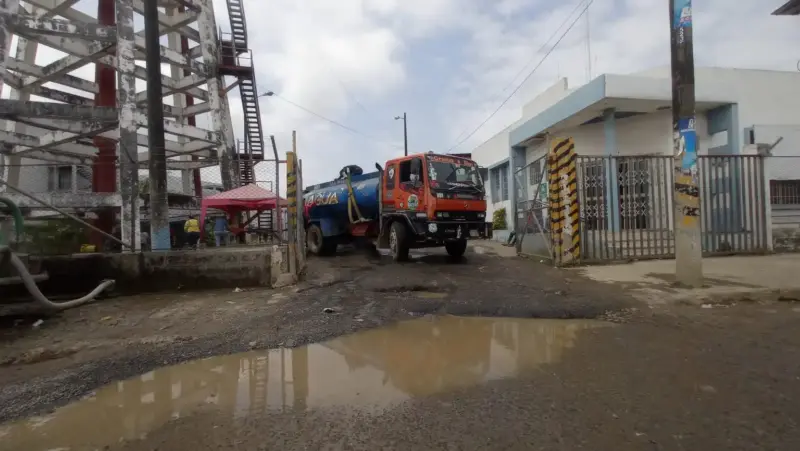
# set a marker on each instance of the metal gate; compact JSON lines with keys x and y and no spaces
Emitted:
{"x":532,"y":219}
{"x":626,"y":206}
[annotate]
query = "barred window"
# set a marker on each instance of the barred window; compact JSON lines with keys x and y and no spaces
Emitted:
{"x":499,"y":178}
{"x":784,"y":192}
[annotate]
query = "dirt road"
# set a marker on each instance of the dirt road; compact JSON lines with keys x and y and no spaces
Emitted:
{"x":681,"y":378}
{"x":68,"y":355}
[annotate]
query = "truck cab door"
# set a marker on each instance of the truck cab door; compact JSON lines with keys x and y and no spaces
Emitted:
{"x":389,"y":185}
{"x":410,"y":191}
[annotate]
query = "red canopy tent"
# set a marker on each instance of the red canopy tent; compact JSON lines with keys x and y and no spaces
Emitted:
{"x":245,"y":198}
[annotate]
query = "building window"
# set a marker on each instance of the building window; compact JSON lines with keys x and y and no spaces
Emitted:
{"x":784,"y":192}
{"x":60,"y":178}
{"x":499,"y":178}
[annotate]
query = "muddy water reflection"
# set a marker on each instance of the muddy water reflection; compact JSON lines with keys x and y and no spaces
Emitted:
{"x":368,"y":370}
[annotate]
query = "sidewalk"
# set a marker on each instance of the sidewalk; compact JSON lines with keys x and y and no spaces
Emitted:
{"x":493,"y":247}
{"x":728,"y":279}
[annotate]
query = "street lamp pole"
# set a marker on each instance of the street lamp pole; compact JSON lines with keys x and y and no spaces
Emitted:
{"x":405,"y":131}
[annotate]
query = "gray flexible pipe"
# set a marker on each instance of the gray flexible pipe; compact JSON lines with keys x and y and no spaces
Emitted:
{"x":40,"y":298}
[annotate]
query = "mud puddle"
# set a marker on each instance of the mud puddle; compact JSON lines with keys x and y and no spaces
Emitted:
{"x":367,"y":371}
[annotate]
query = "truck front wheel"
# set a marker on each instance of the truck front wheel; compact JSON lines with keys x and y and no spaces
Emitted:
{"x":317,"y":243}
{"x":456,"y":248}
{"x":398,"y":241}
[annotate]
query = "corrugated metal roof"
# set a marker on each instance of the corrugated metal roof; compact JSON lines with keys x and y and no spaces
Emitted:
{"x":791,"y":8}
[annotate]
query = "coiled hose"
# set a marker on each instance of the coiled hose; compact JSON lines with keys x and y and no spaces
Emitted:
{"x":30,"y":284}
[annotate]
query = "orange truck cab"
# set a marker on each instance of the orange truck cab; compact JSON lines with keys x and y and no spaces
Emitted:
{"x":423,"y":200}
{"x":430,"y":200}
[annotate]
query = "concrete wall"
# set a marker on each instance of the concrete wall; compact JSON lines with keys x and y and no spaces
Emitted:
{"x":156,"y":271}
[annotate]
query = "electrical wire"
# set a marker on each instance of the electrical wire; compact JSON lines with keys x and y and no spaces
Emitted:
{"x":530,"y":61}
{"x":331,"y":121}
{"x":530,"y":74}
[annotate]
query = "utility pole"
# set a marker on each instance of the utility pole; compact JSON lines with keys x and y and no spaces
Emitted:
{"x":159,"y":209}
{"x":405,"y":131}
{"x":688,"y":248}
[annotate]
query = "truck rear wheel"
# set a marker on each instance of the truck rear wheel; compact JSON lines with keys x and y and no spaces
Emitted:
{"x":398,"y":241}
{"x":456,"y":248}
{"x":317,"y":243}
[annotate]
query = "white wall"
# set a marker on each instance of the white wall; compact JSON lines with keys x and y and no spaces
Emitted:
{"x":648,"y":134}
{"x":492,"y":151}
{"x":764,"y":97}
{"x":546,"y":99}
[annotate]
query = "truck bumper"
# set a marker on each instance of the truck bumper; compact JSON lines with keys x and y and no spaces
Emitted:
{"x":441,"y":231}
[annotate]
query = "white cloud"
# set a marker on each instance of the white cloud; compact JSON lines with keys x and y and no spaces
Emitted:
{"x":355,"y":61}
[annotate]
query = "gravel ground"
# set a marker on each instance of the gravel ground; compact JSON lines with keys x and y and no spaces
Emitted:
{"x":688,"y":380}
{"x":82,"y":349}
{"x":675,"y":378}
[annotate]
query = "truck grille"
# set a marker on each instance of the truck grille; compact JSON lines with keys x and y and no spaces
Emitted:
{"x":459,"y":216}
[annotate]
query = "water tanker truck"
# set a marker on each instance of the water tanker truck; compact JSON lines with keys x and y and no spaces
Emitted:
{"x":416,"y":201}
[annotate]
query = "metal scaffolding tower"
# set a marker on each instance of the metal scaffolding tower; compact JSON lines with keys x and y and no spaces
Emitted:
{"x":101,"y":124}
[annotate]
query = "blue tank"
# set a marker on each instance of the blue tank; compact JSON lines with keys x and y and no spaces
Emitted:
{"x":327,"y":203}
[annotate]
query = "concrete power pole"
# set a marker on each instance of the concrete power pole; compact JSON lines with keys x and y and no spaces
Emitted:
{"x":688,"y":248}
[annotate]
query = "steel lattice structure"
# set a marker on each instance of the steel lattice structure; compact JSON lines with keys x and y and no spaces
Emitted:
{"x":101,"y":124}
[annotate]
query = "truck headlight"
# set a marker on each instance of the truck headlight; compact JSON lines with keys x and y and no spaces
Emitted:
{"x":481,"y":215}
{"x":422,"y":215}
{"x":433,"y":228}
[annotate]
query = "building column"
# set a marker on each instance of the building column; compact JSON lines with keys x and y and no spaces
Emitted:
{"x":611,"y":172}
{"x":209,"y":46}
{"x":130,"y":223}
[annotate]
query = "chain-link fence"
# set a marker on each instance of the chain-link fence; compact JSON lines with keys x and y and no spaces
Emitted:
{"x":55,"y":198}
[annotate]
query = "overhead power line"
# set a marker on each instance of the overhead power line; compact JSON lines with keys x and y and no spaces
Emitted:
{"x":530,"y":74}
{"x":333,"y":122}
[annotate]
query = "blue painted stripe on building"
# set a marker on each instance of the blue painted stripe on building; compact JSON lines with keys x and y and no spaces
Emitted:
{"x":575,"y":102}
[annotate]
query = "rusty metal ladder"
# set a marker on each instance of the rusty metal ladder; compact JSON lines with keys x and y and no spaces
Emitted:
{"x":253,"y":149}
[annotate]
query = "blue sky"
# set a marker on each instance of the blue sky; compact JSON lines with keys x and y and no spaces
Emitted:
{"x":445,"y":63}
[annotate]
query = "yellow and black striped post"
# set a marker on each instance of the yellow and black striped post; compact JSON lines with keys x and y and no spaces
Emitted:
{"x":291,"y":198}
{"x":554,"y":207}
{"x":564,"y":208}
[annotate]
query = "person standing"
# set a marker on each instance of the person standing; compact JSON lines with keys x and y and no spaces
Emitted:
{"x":192,"y":229}
{"x":221,"y":230}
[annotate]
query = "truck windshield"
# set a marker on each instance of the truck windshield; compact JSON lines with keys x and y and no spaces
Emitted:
{"x":446,"y":172}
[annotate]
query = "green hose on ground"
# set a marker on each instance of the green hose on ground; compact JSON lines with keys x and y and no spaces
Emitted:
{"x":16,"y":213}
{"x":27,"y":278}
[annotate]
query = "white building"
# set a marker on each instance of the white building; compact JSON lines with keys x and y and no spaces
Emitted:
{"x":739,"y":112}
